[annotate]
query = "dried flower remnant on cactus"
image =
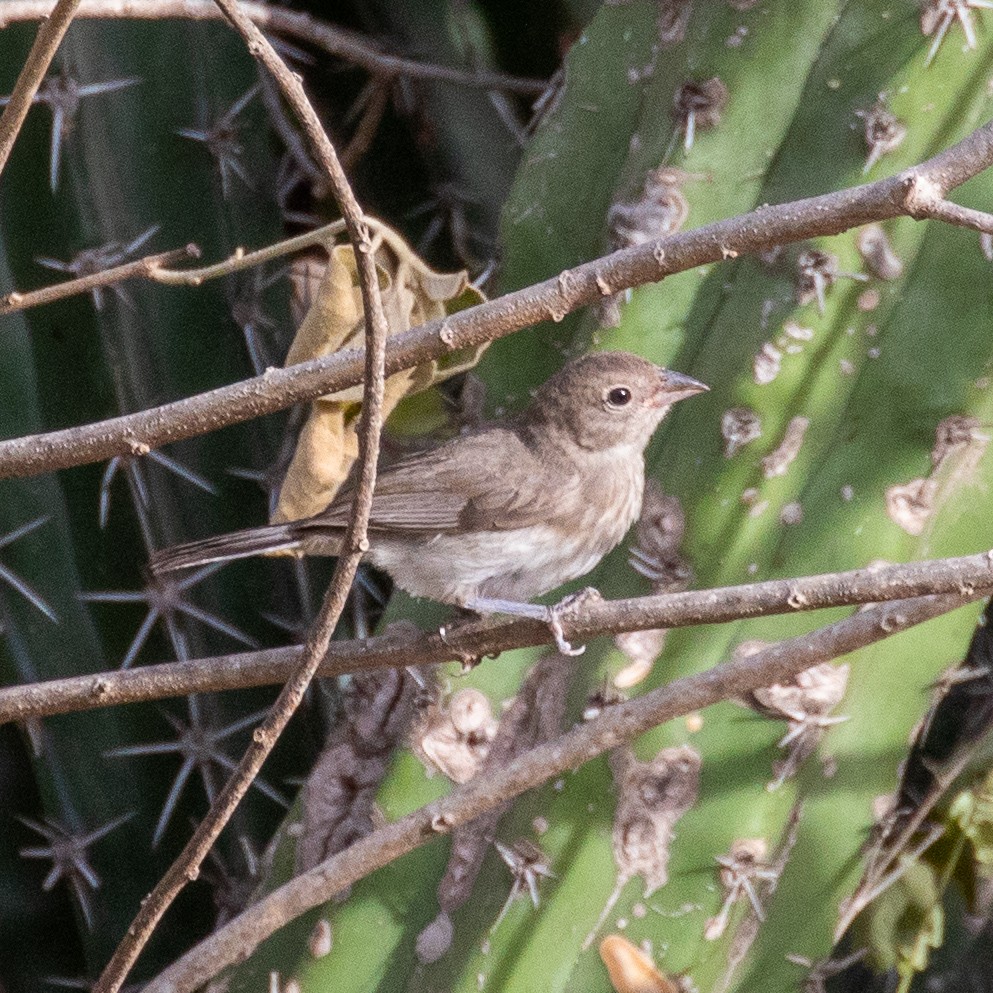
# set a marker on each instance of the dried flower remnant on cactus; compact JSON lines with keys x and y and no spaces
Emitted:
{"x":699,"y":106}
{"x":778,"y":462}
{"x":884,"y":132}
{"x":805,"y":703}
{"x":816,"y":271}
{"x":910,"y":504}
{"x":455,"y":739}
{"x":877,"y":252}
{"x":768,"y":359}
{"x":340,"y":793}
{"x":739,"y":426}
{"x":655,"y":554}
{"x":766,"y":364}
{"x":661,"y":209}
{"x":952,"y":435}
{"x":671,"y":21}
{"x":653,"y":796}
{"x":958,"y":446}
{"x":937,"y":16}
{"x":659,"y":532}
{"x":742,"y":871}
{"x":534,"y":716}
{"x":528,"y":865}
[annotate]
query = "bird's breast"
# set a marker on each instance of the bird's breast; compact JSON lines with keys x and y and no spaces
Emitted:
{"x":594,"y":514}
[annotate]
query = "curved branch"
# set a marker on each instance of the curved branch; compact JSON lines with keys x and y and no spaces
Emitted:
{"x":342,"y":44}
{"x":143,"y":268}
{"x":552,"y":299}
{"x":777,"y":663}
{"x":187,"y":864}
{"x":404,"y":645}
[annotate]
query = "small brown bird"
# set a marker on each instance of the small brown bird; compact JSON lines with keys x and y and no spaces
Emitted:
{"x":504,"y":513}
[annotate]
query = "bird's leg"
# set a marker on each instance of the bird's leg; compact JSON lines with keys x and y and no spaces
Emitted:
{"x":552,"y":616}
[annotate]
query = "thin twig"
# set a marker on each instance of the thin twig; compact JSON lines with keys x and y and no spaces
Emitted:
{"x":753,"y":232}
{"x":265,"y":736}
{"x":143,"y":268}
{"x":623,"y":722}
{"x":336,"y":41}
{"x":406,"y":646}
{"x":155,"y":268}
{"x":32,"y":75}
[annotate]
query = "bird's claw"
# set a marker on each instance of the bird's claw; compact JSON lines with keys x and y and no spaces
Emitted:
{"x":555,"y":625}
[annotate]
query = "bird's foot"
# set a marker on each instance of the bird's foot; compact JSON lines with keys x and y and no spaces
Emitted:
{"x":570,"y":605}
{"x":555,"y":625}
{"x":552,"y":616}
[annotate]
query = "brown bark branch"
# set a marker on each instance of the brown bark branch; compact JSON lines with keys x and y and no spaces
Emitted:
{"x":187,"y":865}
{"x":342,"y":44}
{"x":963,"y":575}
{"x":46,"y":44}
{"x":748,"y":233}
{"x":623,"y":722}
{"x":925,"y":200}
{"x":143,"y":268}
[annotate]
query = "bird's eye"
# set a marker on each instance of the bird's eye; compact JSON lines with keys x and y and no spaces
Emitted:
{"x":618,"y":396}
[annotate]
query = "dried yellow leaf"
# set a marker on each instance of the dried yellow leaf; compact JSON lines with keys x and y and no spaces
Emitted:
{"x":413,"y":294}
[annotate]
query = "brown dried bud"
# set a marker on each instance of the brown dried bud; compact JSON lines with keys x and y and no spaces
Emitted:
{"x":884,"y":132}
{"x":816,"y":271}
{"x":877,"y":252}
{"x":699,"y":106}
{"x":658,"y":535}
{"x":739,"y":426}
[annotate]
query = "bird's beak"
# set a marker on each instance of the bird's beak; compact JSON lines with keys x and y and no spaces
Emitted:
{"x":678,"y":386}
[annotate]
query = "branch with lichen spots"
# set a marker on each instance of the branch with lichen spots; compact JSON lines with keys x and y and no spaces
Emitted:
{"x":918,"y":192}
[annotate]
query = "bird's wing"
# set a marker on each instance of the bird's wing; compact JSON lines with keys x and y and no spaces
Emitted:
{"x":491,"y":481}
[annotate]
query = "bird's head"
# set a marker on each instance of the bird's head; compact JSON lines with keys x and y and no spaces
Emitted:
{"x":608,"y":399}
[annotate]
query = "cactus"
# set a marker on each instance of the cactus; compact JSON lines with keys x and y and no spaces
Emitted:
{"x":846,"y":424}
{"x":849,"y":398}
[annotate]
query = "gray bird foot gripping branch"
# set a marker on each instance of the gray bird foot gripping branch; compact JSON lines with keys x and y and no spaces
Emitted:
{"x":552,"y":616}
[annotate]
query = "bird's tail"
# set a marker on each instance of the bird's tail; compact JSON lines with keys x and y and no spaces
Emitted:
{"x":224,"y":547}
